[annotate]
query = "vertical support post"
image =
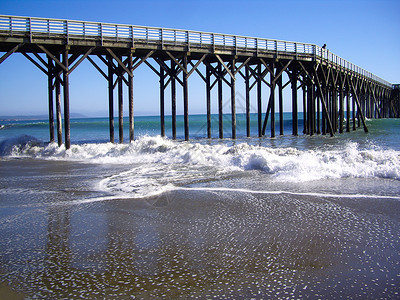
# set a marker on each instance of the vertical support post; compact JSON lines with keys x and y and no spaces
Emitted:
{"x":220,"y":112}
{"x":208,"y":100}
{"x":173,"y":99}
{"x":247,"y":83}
{"x":130,"y":95}
{"x":111,"y":98}
{"x":367,"y":106}
{"x":162,"y":103}
{"x":354,"y":111}
{"x":324,"y":92}
{"x":120,"y":106}
{"x":66,"y":100}
{"x":58,"y":111}
{"x":50,"y":76}
{"x":330,"y":107}
{"x":259,"y":105}
{"x":305,"y":128}
{"x":310,"y":100}
{"x":233,"y":102}
{"x":314,"y":99}
{"x":272,"y":99}
{"x":341,"y":109}
{"x":347,"y":110}
{"x":318,"y":100}
{"x":280,"y":90}
{"x":373,"y":111}
{"x":384,"y":103}
{"x":185,"y":96}
{"x":361,"y":108}
{"x":294,"y":103}
{"x":335,"y":108}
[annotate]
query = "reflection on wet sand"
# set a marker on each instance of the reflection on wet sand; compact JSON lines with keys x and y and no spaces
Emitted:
{"x":209,"y":246}
{"x":205,"y":244}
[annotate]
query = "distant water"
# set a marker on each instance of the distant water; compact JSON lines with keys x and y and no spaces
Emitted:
{"x":246,"y":218}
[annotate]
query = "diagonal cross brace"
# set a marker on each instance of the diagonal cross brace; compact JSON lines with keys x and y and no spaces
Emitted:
{"x":225,"y":67}
{"x":281,"y":71}
{"x":242,"y":65}
{"x":194,"y":68}
{"x":53,"y":57}
{"x":324,"y":106}
{"x":36,"y":63}
{"x":119,"y":62}
{"x":81,"y":59}
{"x":359,"y":107}
{"x":4,"y":57}
{"x":97,"y":67}
{"x":168,"y":70}
{"x":375,"y":101}
{"x":177,"y":62}
{"x":143,"y":60}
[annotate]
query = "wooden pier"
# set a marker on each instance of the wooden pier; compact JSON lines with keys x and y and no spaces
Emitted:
{"x":337,"y":95}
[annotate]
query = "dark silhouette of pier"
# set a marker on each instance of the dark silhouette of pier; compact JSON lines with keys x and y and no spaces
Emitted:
{"x":337,"y":95}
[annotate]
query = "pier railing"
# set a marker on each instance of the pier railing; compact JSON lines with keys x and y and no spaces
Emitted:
{"x":15,"y":25}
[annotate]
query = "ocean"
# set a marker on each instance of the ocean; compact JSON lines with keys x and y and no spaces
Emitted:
{"x":251,"y":218}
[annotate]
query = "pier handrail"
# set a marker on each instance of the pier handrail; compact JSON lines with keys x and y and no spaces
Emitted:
{"x":134,"y":33}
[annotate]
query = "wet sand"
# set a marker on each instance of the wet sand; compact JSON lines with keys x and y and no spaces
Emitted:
{"x":54,"y":243}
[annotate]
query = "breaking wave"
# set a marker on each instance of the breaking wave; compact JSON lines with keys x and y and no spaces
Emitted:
{"x":157,"y":164}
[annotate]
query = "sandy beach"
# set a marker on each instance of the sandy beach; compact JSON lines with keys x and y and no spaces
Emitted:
{"x":59,"y":238}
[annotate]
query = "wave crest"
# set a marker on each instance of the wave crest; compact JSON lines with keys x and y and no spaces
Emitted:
{"x":158,"y":164}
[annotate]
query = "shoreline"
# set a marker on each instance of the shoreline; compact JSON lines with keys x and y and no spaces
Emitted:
{"x":66,"y":231}
{"x":187,"y":243}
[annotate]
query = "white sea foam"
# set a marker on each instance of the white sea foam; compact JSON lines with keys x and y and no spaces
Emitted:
{"x":232,"y":190}
{"x":159,"y":164}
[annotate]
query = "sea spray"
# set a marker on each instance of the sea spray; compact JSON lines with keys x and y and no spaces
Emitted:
{"x":157,"y":164}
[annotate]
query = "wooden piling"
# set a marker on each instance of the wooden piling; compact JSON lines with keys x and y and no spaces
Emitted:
{"x":293,"y":79}
{"x":110,"y":97}
{"x":173,"y":99}
{"x":280,"y":95}
{"x":259,"y":99}
{"x":305,"y":128}
{"x":310,"y":118}
{"x":348,"y":110}
{"x":208,"y":100}
{"x":220,"y":104}
{"x":58,"y":111}
{"x":162,"y":102}
{"x":66,"y":100}
{"x":50,"y":76}
{"x":247,"y":87}
{"x":360,"y":108}
{"x":130,"y":96}
{"x":341,"y":109}
{"x":330,"y":106}
{"x":354,"y":111}
{"x":324,"y":95}
{"x":272,"y":99}
{"x":233,"y":100}
{"x":120,"y":106}
{"x":318,"y":101}
{"x":185,"y":97}
{"x":334,"y":110}
{"x":313,"y":106}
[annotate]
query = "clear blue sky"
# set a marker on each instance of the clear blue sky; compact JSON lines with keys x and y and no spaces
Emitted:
{"x":364,"y":32}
